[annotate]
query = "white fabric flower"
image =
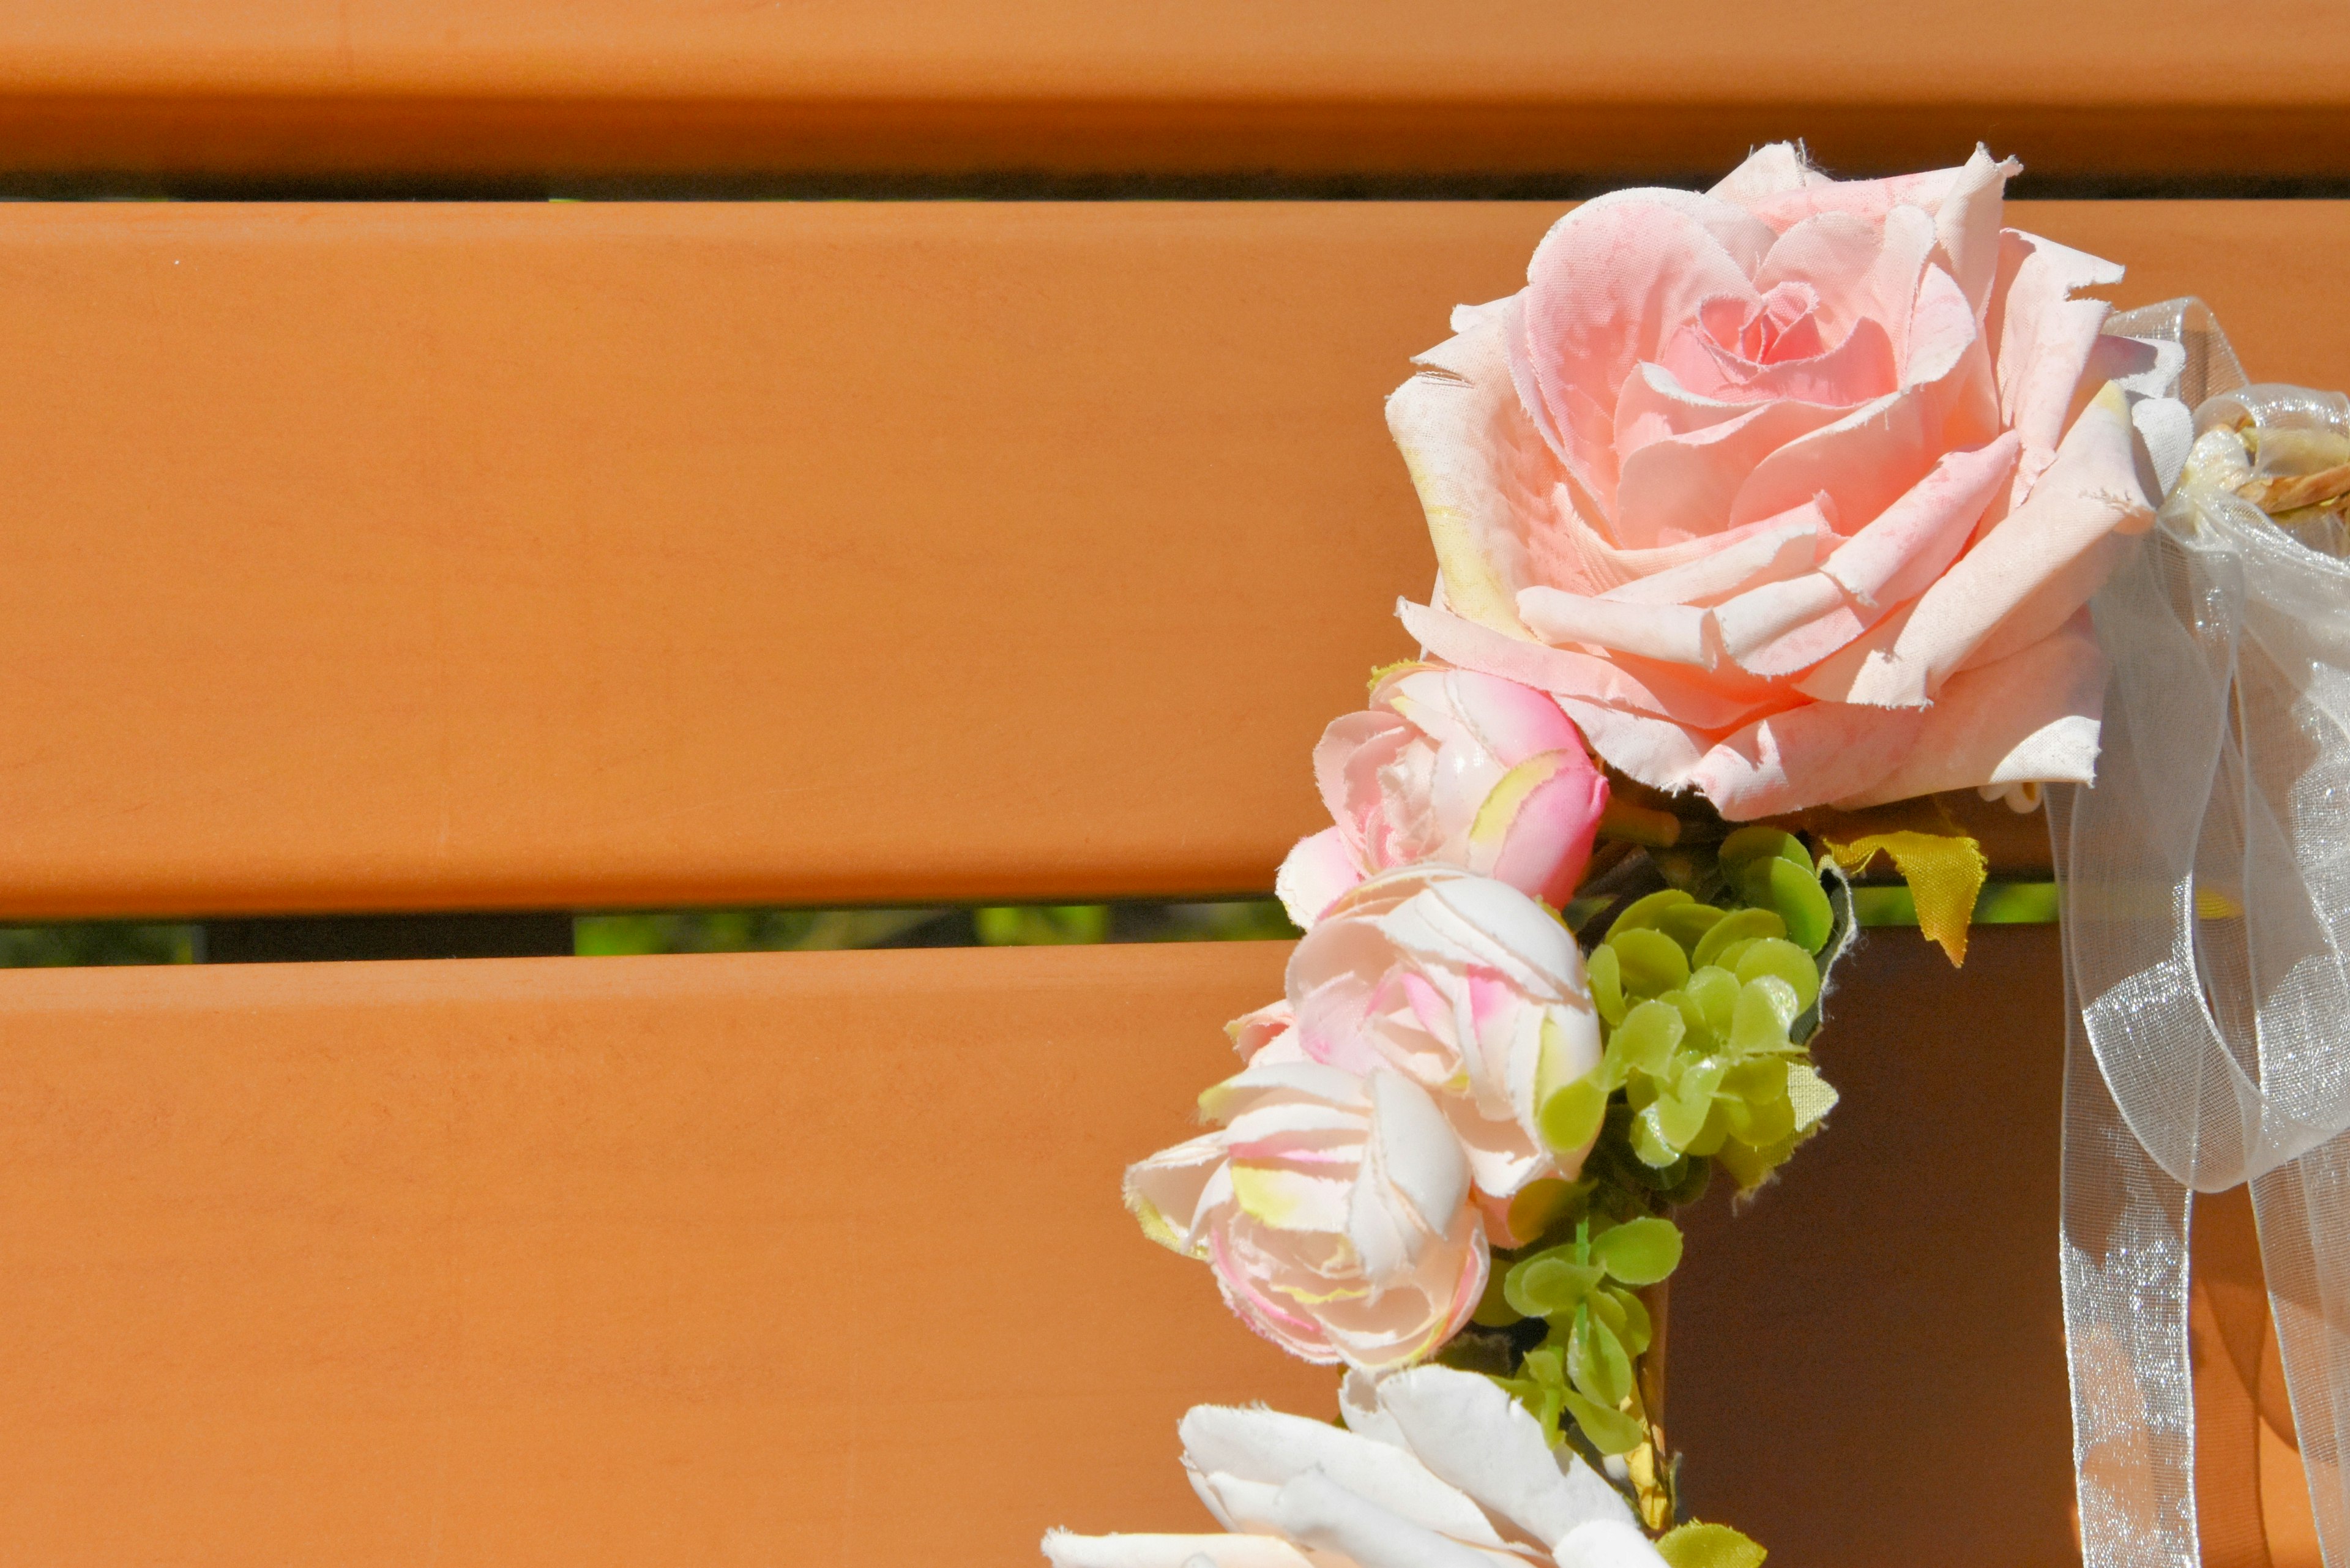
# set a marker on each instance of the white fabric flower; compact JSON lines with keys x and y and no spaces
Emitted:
{"x":1440,"y":1469}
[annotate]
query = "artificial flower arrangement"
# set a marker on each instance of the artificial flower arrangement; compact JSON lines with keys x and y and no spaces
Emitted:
{"x":1761,"y":516}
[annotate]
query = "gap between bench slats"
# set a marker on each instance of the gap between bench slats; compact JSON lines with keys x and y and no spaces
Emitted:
{"x":819,"y":1258}
{"x":413,"y":557}
{"x":279,"y":88}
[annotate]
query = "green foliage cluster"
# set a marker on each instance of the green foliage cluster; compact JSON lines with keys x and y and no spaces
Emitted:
{"x":1706,"y":992}
{"x":1704,"y":1010}
{"x":1595,"y":1324}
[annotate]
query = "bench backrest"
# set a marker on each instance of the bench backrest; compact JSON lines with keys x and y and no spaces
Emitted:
{"x":418,"y":557}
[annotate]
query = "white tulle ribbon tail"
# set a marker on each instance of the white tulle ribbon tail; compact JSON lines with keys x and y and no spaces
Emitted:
{"x":2207,"y":946}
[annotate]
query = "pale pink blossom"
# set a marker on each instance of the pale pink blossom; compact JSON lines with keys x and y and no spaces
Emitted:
{"x":1791,"y":493}
{"x":1469,"y":987}
{"x":1452,"y":765}
{"x":1332,"y":1205}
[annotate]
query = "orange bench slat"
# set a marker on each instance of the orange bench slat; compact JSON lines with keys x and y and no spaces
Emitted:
{"x":576,"y":556}
{"x":293,"y":87}
{"x":704,"y":1261}
{"x":808,"y":1258}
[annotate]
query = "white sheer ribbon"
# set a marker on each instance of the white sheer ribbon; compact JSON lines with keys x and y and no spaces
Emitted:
{"x":2207,"y":944}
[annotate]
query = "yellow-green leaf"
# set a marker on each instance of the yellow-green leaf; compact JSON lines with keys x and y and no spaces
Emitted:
{"x":1695,"y":1545}
{"x":1639,"y":1251}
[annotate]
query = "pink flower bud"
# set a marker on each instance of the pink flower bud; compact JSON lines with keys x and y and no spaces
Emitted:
{"x":1454,"y":766}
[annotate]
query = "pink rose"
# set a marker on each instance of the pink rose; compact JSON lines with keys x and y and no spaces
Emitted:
{"x":1467,"y":987}
{"x":1452,"y":765}
{"x":1331,"y":1205}
{"x":1788,"y":491}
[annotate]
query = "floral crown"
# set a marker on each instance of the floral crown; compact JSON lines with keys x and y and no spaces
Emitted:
{"x":1761,"y":518}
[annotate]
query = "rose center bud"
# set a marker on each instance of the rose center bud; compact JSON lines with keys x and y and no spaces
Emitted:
{"x":1783,"y":325}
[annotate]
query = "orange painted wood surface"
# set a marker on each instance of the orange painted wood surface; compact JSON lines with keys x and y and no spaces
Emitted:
{"x":277,"y":88}
{"x":775,"y":1259}
{"x":819,"y":1258}
{"x":567,"y":556}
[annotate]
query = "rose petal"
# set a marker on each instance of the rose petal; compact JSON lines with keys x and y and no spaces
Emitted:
{"x":1164,"y":1191}
{"x":1679,"y":487}
{"x":1647,"y":687}
{"x":1606,"y":284}
{"x":1758,"y":620}
{"x":2091,"y":492}
{"x":1412,"y":1150}
{"x":1271,"y":1448}
{"x":2044,"y":336}
{"x":1673,"y":633}
{"x":1871,"y":200}
{"x":1821,"y":751}
{"x":1541,"y":842}
{"x":1862,"y":271}
{"x":1607,"y":1544}
{"x":1655,"y":752}
{"x":2031,"y":716}
{"x":1318,"y":1512}
{"x":1317,"y":870}
{"x":1469,"y":1433}
{"x":1775,"y":170}
{"x":1479,"y":467}
{"x":1512,"y":721}
{"x":1966,"y":224}
{"x":1916,"y":538}
{"x":1783,"y":546}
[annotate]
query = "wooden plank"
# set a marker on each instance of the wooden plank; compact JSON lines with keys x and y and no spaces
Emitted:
{"x":818,"y":1258}
{"x":277,"y":88}
{"x":700,"y":1260}
{"x":384,"y":557}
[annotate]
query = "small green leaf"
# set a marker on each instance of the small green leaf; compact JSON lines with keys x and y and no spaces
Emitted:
{"x":1641,"y":913}
{"x":1639,"y":1251}
{"x":1651,"y":961}
{"x":1738,"y":926}
{"x":1712,"y":1133}
{"x":1743,"y":847}
{"x":1637,"y":1331}
{"x":1606,"y":977}
{"x":1728,"y":956}
{"x":1687,"y":923}
{"x":1549,"y":1284}
{"x":1760,"y":1123}
{"x":1646,"y":1040}
{"x":1596,"y":1361}
{"x":1758,"y":1024}
{"x":1493,"y":1308}
{"x":1610,"y":1431}
{"x":1649,"y":1142}
{"x":1714,"y":992}
{"x":1542,"y":1400}
{"x":1793,"y":893}
{"x":1701,"y":1028}
{"x":1760,"y":1082}
{"x":1787,"y":961}
{"x":1682,"y":1110}
{"x":1542,"y":1203}
{"x":1751,"y":1166}
{"x":1695,"y":1545}
{"x":1570,"y":1117}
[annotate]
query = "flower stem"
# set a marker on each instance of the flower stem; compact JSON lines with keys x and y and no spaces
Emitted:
{"x":1650,"y":1465}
